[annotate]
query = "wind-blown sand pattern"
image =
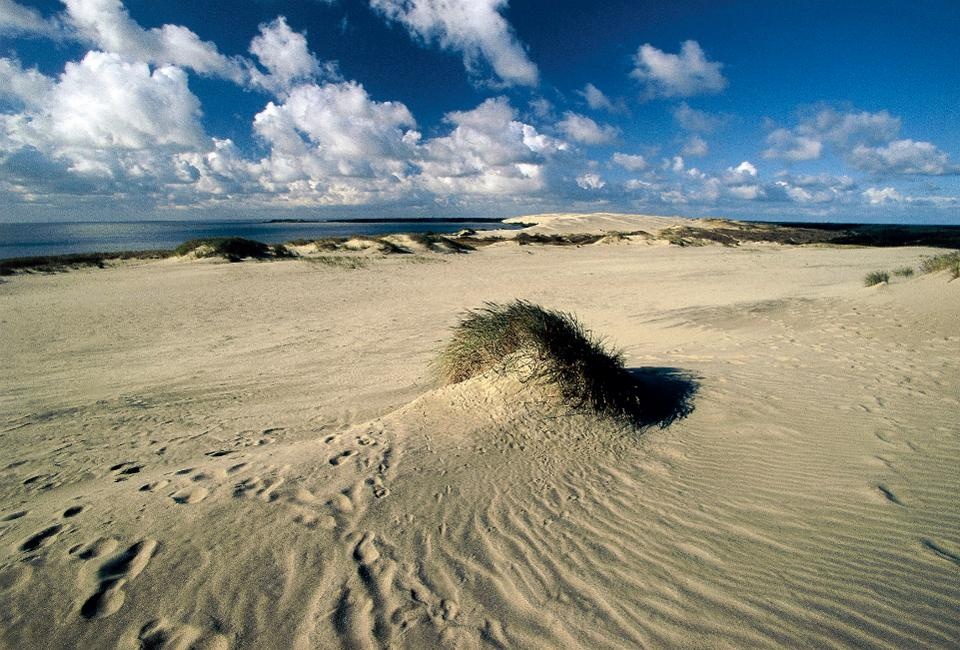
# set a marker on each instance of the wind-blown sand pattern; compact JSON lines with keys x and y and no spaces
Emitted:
{"x":256,"y":455}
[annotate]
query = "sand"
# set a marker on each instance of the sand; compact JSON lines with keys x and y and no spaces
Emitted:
{"x":256,"y":455}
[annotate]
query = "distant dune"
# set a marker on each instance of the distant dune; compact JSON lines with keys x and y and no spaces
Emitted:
{"x":200,"y":454}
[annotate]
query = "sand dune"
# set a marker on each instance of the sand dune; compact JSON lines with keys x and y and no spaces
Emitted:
{"x":257,"y":455}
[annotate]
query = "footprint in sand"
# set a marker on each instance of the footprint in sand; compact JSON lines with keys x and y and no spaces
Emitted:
{"x":113,"y":576}
{"x":14,"y":515}
{"x":154,"y":486}
{"x":41,"y":539}
{"x":191,"y":494}
{"x":97,"y":548}
{"x":342,"y":457}
{"x":889,"y":494}
{"x":124,"y":470}
{"x":940,"y":551}
{"x":159,"y":635}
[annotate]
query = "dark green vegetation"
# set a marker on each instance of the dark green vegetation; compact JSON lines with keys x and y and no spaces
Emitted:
{"x":553,"y":348}
{"x":232,"y":248}
{"x":949,"y":262}
{"x":733,"y":233}
{"x":876,"y":277}
{"x":903,"y":272}
{"x":61,"y":263}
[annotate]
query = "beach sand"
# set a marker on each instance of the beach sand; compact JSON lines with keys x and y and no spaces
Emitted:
{"x":257,"y":455}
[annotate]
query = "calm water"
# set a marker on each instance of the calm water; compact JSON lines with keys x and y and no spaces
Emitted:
{"x":28,"y":239}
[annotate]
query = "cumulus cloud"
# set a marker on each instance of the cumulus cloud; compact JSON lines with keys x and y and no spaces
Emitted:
{"x":105,"y":125}
{"x":595,"y":98}
{"x":22,"y":87}
{"x":879,"y":196}
{"x":590,"y":181}
{"x":903,"y":157}
{"x":695,"y":146}
{"x":285,"y":55}
{"x":685,"y":74}
{"x":15,"y":19}
{"x":474,"y":28}
{"x":107,"y":25}
{"x":696,"y":121}
{"x":786,"y":145}
{"x":867,"y":141}
{"x":333,"y":131}
{"x":630,"y":162}
{"x":581,"y":128}
{"x":488,"y":151}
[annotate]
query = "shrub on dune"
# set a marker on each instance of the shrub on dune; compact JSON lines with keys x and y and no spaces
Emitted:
{"x":553,"y":348}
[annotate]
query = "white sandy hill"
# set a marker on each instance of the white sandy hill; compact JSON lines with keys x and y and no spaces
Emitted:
{"x":598,"y":223}
{"x":261,"y":460}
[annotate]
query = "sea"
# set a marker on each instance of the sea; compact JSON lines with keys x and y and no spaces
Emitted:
{"x":41,"y":239}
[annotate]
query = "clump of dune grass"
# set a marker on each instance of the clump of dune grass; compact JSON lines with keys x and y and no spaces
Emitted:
{"x":949,"y":262}
{"x":876,"y":277}
{"x":339,"y":261}
{"x":233,"y":249}
{"x":903,"y":272}
{"x":556,"y":350}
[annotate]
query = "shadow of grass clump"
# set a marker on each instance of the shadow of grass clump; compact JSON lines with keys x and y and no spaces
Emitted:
{"x":558,"y":351}
{"x":233,"y":249}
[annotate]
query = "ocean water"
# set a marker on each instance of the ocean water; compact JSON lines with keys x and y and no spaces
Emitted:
{"x":29,"y":239}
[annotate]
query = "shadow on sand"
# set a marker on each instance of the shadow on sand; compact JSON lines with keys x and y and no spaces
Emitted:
{"x":663,"y":395}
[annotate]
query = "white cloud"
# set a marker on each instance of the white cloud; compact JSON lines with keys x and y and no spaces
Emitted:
{"x":106,"y":24}
{"x":696,"y":121}
{"x":903,"y":157}
{"x":108,"y":122}
{"x":473,"y":27}
{"x":15,"y":19}
{"x":590,"y":181}
{"x":786,"y":145}
{"x":630,"y":162}
{"x":745,"y":168}
{"x":878,"y":196}
{"x":285,"y":55}
{"x":685,"y":74}
{"x":334,"y":130}
{"x":597,"y":100}
{"x":488,"y":151}
{"x":23,"y":87}
{"x":581,"y":128}
{"x":695,"y":146}
{"x":865,"y":140}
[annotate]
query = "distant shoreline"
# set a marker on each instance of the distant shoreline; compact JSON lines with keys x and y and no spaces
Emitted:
{"x":389,"y":220}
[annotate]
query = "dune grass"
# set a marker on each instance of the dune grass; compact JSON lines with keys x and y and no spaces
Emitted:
{"x":876,"y":277}
{"x":556,"y":350}
{"x":233,"y":249}
{"x":949,"y":262}
{"x":903,"y":272}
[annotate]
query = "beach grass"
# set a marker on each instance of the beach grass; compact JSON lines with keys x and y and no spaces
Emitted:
{"x":550,"y":348}
{"x":949,"y":262}
{"x":875,"y":278}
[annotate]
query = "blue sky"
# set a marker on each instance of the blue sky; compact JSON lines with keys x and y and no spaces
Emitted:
{"x":806,"y":110}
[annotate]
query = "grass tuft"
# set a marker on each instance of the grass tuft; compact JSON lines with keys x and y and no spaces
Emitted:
{"x":556,"y":350}
{"x":949,"y":262}
{"x":876,"y":277}
{"x":903,"y":272}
